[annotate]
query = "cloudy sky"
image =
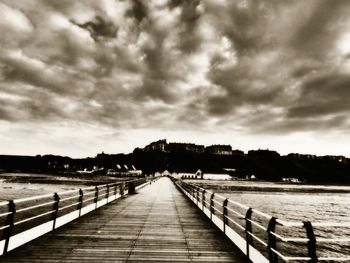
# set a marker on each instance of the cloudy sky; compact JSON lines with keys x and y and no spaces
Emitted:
{"x":84,"y":76}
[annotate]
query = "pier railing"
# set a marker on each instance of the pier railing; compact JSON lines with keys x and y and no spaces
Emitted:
{"x":264,"y":238}
{"x":25,"y":219}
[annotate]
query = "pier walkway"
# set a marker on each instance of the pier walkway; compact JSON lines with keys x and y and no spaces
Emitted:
{"x":158,"y":224}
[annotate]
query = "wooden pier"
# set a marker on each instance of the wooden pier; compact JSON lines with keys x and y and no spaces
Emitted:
{"x":158,"y":224}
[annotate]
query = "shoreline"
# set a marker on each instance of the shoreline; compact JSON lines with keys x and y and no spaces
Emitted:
{"x":257,"y":186}
{"x":21,"y":185}
{"x":28,"y":178}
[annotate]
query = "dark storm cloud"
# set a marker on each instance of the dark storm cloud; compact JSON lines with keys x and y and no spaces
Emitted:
{"x":321,"y":27}
{"x":246,"y":27}
{"x":280,"y":64}
{"x":158,"y":77}
{"x":242,"y":86}
{"x":32,"y":72}
{"x":99,"y":27}
{"x":189,"y":40}
{"x":18,"y":106}
{"x":138,"y":10}
{"x":277,"y":68}
{"x":323,"y":95}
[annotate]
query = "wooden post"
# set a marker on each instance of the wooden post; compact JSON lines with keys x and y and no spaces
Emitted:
{"x":203,"y":199}
{"x":80,"y":205}
{"x":55,"y":208}
{"x":131,"y":188}
{"x":212,"y":205}
{"x":248,"y":229}
{"x":224,"y":214}
{"x":311,"y":244}
{"x":10,"y":222}
{"x":107,"y":192}
{"x":197,"y":195}
{"x":115,"y":190}
{"x":272,"y":240}
{"x":96,"y":196}
{"x":121,"y":189}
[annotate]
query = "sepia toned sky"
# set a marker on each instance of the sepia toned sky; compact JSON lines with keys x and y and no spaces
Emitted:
{"x":84,"y":76}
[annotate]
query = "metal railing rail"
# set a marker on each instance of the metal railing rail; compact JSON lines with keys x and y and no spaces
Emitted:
{"x":25,"y":219}
{"x":261,"y":246}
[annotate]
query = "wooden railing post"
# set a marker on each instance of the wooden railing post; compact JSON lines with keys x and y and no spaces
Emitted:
{"x":224,"y":214}
{"x":271,"y":244}
{"x":96,"y":196}
{"x":131,"y":188}
{"x":121,"y":189}
{"x":55,"y":209}
{"x":203,"y":199}
{"x":107,"y":192}
{"x":115,"y":190}
{"x":80,"y":204}
{"x":311,"y":244}
{"x":55,"y":205}
{"x":184,"y":186}
{"x":10,"y":222}
{"x":212,"y":205}
{"x":248,"y":229}
{"x":197,"y":195}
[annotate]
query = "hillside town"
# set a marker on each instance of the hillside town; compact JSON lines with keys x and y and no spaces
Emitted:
{"x":189,"y":160}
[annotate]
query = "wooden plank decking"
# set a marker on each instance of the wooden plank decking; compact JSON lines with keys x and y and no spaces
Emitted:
{"x":159,"y":224}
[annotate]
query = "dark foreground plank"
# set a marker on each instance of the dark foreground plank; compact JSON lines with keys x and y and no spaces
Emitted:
{"x":156,"y":225}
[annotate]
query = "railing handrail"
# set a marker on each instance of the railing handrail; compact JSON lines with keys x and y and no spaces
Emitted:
{"x":31,"y":198}
{"x":200,"y":195}
{"x":36,"y":197}
{"x":282,"y":222}
{"x":49,"y":205}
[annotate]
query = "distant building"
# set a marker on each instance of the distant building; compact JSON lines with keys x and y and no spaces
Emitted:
{"x":218,"y":173}
{"x":158,"y":146}
{"x":185,"y":147}
{"x":85,"y":171}
{"x":231,"y":171}
{"x":291,"y":179}
{"x":188,"y":175}
{"x":252,"y":177}
{"x":164,"y":173}
{"x":176,"y":147}
{"x":337,"y":158}
{"x":199,"y":174}
{"x":217,"y":176}
{"x":302,"y":156}
{"x":134,"y":172}
{"x":219,"y":149}
{"x":124,"y":171}
{"x":237,"y":152}
{"x":94,"y":171}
